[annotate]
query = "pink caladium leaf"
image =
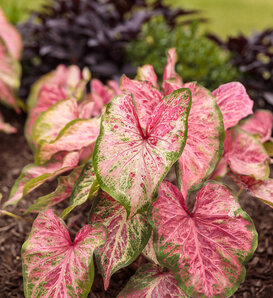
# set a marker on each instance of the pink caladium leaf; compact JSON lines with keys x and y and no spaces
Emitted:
{"x":246,"y":155}
{"x":233,"y":102}
{"x":48,"y":96}
{"x":10,"y":36}
{"x":52,"y":121}
{"x":259,"y":124}
{"x":207,"y":248}
{"x":204,"y":143}
{"x":62,"y":192}
{"x":260,"y":189}
{"x":146,"y":97}
{"x":10,"y":72}
{"x":84,"y":188}
{"x":130,"y":162}
{"x":149,"y":282}
{"x":147,"y":73}
{"x":170,"y":77}
{"x":76,"y":135}
{"x":126,"y":238}
{"x":6,"y":127}
{"x":53,"y":265}
{"x":33,"y":176}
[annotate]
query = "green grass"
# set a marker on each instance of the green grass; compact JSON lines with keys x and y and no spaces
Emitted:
{"x":230,"y":17}
{"x":18,"y":11}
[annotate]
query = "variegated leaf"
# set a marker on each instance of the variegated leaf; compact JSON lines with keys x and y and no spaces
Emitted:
{"x":204,"y":143}
{"x":207,"y":248}
{"x":150,"y":282}
{"x":260,"y":189}
{"x":170,"y":77}
{"x":130,"y":162}
{"x":146,"y":97}
{"x":147,"y":73}
{"x":63,"y":191}
{"x":85,"y":187}
{"x":149,"y":251}
{"x":76,"y":135}
{"x":233,"y":102}
{"x":10,"y":72}
{"x":246,"y":155}
{"x":53,"y":265}
{"x":10,"y":36}
{"x":48,"y":96}
{"x":33,"y":176}
{"x":259,"y":124}
{"x":126,"y":238}
{"x":52,"y":121}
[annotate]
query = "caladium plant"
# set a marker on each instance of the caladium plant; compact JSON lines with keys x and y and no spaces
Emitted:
{"x":10,"y":69}
{"x":120,"y":142}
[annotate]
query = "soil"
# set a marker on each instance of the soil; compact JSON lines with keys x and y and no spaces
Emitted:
{"x":15,"y":154}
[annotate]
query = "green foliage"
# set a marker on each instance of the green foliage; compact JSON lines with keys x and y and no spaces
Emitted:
{"x":199,"y":59}
{"x":18,"y":11}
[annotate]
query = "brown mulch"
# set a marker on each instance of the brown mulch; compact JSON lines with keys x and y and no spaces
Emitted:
{"x":15,"y":154}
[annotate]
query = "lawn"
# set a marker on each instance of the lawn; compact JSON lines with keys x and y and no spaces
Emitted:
{"x":229,"y":17}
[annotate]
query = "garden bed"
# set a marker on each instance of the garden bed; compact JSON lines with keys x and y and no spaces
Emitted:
{"x":15,"y":154}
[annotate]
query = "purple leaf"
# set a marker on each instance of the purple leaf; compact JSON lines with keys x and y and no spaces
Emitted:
{"x":126,"y":238}
{"x":204,"y":143}
{"x":33,"y":176}
{"x":233,"y":102}
{"x":53,"y":265}
{"x":130,"y":162}
{"x":76,"y":135}
{"x":207,"y":248}
{"x":150,"y":282}
{"x":259,"y":124}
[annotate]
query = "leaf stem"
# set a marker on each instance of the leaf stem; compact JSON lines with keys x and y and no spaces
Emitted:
{"x":15,"y":216}
{"x":239,"y":192}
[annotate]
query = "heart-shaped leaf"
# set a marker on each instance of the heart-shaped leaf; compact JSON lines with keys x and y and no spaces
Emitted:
{"x":53,"y":265}
{"x":129,"y":162}
{"x":150,"y":281}
{"x":246,"y":155}
{"x":233,"y":102}
{"x":259,"y":124}
{"x":204,"y":143}
{"x":33,"y":176}
{"x":76,"y":135}
{"x":63,"y":191}
{"x":52,"y":121}
{"x":205,"y":249}
{"x":10,"y":36}
{"x":85,"y":186}
{"x":126,"y":238}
